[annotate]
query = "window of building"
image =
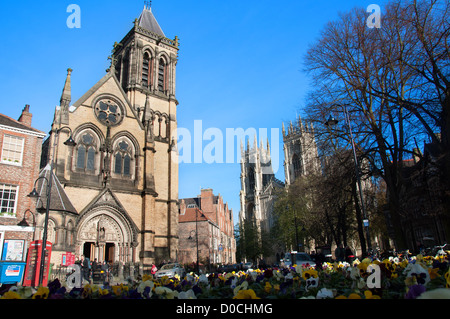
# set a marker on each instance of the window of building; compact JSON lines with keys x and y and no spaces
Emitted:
{"x":8,"y":198}
{"x":12,"y":151}
{"x":297,"y":165}
{"x":146,"y":70}
{"x":122,"y":159}
{"x":86,"y":150}
{"x":251,"y":179}
{"x":161,"y":75}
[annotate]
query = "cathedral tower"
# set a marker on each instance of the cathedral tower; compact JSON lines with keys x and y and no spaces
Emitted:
{"x":300,"y":151}
{"x":257,"y":183}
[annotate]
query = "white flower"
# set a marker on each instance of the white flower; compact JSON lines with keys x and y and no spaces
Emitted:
{"x":187,"y":295}
{"x":167,"y":292}
{"x":145,"y":284}
{"x":243,"y":286}
{"x":419,"y":271}
{"x":440,"y":293}
{"x":324,"y":293}
{"x":203,"y":279}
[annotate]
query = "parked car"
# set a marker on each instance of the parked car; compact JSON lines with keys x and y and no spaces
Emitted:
{"x":247,"y":265}
{"x":228,"y":268}
{"x":170,"y":270}
{"x":296,"y":258}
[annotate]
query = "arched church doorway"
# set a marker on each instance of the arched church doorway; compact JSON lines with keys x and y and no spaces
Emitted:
{"x":104,"y":234}
{"x":88,"y":249}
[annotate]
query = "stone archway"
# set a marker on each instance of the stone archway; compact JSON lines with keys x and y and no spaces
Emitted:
{"x":104,"y":233}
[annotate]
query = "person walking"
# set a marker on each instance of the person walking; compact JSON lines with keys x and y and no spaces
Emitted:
{"x":339,"y":253}
{"x":348,"y":254}
{"x":105,"y":270}
{"x":84,"y":268}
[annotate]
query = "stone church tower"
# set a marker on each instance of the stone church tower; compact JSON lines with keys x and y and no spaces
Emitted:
{"x":300,"y":151}
{"x":257,"y":184}
{"x":121,"y":176}
{"x":258,"y":181}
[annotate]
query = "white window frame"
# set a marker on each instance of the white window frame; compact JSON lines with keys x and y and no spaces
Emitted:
{"x":6,"y":160}
{"x":13,"y":213}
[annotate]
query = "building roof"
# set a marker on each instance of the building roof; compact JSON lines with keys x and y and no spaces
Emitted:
{"x":58,"y":197}
{"x":7,"y":121}
{"x":192,"y":215}
{"x":147,"y":21}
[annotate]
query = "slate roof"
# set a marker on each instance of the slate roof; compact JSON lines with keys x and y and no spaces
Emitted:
{"x":7,"y":121}
{"x":147,"y":21}
{"x":58,"y":198}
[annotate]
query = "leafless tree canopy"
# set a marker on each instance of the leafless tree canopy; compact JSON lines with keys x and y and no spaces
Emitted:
{"x":395,"y":82}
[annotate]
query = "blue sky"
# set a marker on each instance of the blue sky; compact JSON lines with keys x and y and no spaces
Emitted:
{"x":240,"y":64}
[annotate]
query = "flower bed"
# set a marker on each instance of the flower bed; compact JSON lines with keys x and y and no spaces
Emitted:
{"x":418,"y":277}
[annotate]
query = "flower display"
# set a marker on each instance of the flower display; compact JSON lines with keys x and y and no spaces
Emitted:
{"x":416,"y":277}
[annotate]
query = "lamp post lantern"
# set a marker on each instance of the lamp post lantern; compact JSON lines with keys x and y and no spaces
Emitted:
{"x":331,"y":122}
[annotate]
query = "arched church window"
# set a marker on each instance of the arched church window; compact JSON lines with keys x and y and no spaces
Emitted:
{"x":297,"y":165}
{"x":122,"y":158}
{"x":162,"y":75}
{"x":251,"y":179}
{"x":86,"y":150}
{"x":146,"y":63}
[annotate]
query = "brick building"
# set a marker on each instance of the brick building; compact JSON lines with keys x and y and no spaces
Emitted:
{"x":209,"y":219}
{"x":20,"y":147}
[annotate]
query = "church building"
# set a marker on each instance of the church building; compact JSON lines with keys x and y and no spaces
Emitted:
{"x":115,"y":190}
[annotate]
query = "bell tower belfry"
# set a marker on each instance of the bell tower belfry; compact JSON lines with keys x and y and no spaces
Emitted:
{"x":145,"y":62}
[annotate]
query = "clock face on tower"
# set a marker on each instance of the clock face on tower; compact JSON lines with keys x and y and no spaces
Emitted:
{"x":108,"y":112}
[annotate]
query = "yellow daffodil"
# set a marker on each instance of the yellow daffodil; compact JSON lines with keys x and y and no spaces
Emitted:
{"x":447,"y":278}
{"x":267,"y":287}
{"x":341,"y":297}
{"x":368,"y":294}
{"x":11,"y":295}
{"x":42,"y":293}
{"x":246,"y":294}
{"x":146,"y":277}
{"x":119,"y":289}
{"x":354,"y":296}
{"x":433,"y":273}
{"x":309,"y":273}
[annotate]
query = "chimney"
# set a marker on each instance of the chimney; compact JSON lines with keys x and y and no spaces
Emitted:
{"x":206,"y":203}
{"x":25,"y":117}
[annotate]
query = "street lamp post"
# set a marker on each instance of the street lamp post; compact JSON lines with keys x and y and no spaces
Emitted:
{"x":196,"y":239}
{"x":35,"y":194}
{"x":331,"y":122}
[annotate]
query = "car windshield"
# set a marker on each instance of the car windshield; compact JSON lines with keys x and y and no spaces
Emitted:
{"x":169,"y":266}
{"x":302,"y":257}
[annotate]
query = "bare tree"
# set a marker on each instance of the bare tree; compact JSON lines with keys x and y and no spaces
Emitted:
{"x":393,"y":81}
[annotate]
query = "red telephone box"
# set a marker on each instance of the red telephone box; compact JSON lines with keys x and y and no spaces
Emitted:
{"x":32,"y":271}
